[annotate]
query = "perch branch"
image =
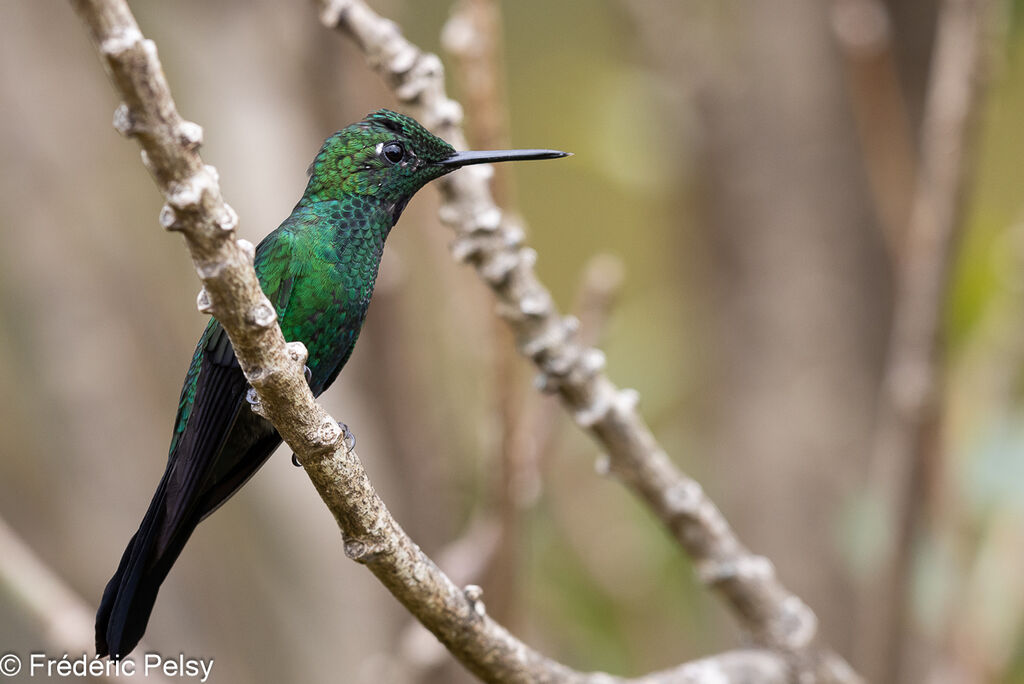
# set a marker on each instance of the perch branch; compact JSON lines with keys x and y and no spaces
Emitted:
{"x":906,"y":439}
{"x":232,"y":293}
{"x":774,"y":616}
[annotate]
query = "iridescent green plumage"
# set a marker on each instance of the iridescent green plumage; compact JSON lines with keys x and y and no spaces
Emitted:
{"x":318,"y":269}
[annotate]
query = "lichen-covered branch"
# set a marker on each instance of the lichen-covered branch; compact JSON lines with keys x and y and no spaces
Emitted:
{"x":773,"y":615}
{"x":232,"y":293}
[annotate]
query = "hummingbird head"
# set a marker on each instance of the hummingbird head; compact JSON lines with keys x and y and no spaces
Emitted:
{"x":385,"y":158}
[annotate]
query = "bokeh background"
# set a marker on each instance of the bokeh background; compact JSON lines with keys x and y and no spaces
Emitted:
{"x":718,"y":232}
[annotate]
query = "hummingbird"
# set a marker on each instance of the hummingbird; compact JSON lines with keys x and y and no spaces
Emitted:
{"x":318,"y":269}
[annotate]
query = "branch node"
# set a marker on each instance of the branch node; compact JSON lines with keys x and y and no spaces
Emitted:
{"x":496,"y":269}
{"x":298,"y":352}
{"x":474,"y":594}
{"x":535,"y":305}
{"x":589,"y":416}
{"x":449,"y":213}
{"x":210,"y":269}
{"x":514,"y":234}
{"x":169,"y":218}
{"x":684,"y":498}
{"x":483,"y":173}
{"x":188,"y":194}
{"x":748,"y":568}
{"x":509,"y":312}
{"x":402,"y":64}
{"x":362,"y":552}
{"x":559,"y":365}
{"x":329,"y":434}
{"x":247,"y":248}
{"x":417,"y":73}
{"x":123,"y":39}
{"x":797,"y":623}
{"x":862,"y":27}
{"x":263,"y":315}
{"x":546,"y":383}
{"x":125,"y":122}
{"x":203,"y":302}
{"x":590,"y":363}
{"x":488,"y":220}
{"x":333,"y":13}
{"x":543,"y":342}
{"x":465,"y":248}
{"x":627,"y":400}
{"x":449,"y":113}
{"x":603,"y":464}
{"x":190,"y":135}
{"x":228,"y":220}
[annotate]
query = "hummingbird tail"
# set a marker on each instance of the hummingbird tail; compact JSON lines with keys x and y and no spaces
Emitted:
{"x":130,"y":594}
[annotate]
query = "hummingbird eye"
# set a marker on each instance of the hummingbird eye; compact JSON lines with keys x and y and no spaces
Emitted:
{"x":393,"y":152}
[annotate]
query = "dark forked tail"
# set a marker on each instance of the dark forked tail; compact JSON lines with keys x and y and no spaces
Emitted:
{"x":130,"y":594}
{"x":191,"y":489}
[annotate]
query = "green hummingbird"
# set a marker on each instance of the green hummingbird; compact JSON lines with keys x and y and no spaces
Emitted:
{"x":318,"y":269}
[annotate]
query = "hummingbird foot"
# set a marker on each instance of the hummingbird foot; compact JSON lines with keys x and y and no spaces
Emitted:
{"x":308,"y":373}
{"x":347,"y":437}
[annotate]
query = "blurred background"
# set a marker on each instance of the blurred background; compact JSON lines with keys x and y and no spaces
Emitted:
{"x":729,"y":233}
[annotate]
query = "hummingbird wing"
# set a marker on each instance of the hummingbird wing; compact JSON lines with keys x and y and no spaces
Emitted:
{"x":218,"y":442}
{"x":217,"y":445}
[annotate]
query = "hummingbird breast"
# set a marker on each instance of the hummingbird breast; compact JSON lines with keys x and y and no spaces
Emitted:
{"x":335,"y":255}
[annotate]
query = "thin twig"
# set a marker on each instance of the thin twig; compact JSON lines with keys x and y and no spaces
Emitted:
{"x":415,"y":654}
{"x":864,"y":32}
{"x":774,"y":616}
{"x":371,"y":536}
{"x":472,"y":35}
{"x":64,"y":620}
{"x":906,"y":445}
{"x":599,"y":289}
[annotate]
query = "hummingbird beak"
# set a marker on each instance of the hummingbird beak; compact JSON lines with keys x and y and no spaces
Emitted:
{"x":489,"y":156}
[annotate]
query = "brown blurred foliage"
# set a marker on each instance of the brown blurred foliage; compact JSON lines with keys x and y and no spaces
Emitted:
{"x":718,"y":155}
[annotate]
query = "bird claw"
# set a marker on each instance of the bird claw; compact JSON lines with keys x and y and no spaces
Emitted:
{"x":295,"y":461}
{"x":308,"y":373}
{"x":347,"y":437}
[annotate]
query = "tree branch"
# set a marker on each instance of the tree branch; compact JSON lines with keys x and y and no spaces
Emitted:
{"x":274,"y":368}
{"x":864,"y":33}
{"x":472,"y":36}
{"x":64,"y":619}
{"x":906,"y":440}
{"x":774,"y":616}
{"x":231,"y":291}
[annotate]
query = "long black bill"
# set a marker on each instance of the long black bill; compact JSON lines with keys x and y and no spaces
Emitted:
{"x":489,"y":156}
